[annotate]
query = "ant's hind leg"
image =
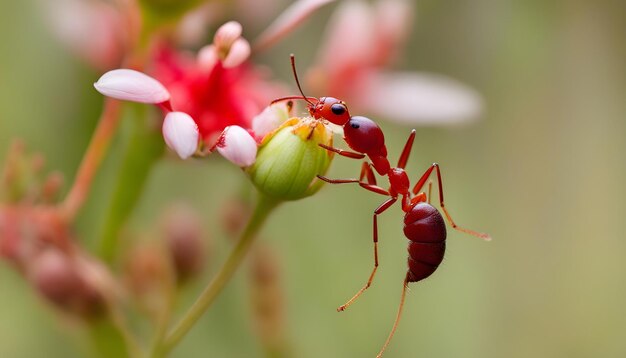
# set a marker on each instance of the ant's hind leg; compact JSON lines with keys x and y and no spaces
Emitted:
{"x":398,"y":315}
{"x":384,"y":206}
{"x":419,"y":186}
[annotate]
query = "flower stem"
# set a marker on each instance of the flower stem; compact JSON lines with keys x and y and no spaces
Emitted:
{"x":141,"y":148}
{"x":107,"y":124}
{"x":263,"y":208}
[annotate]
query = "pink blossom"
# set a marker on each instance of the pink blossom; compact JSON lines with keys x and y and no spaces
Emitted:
{"x":360,"y":41}
{"x":212,"y":94}
{"x":208,"y":93}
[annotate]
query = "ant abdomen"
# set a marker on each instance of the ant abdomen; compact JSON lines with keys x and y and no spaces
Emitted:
{"x":425,"y":228}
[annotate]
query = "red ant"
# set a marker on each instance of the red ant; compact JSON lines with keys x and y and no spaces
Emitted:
{"x":424,"y":226}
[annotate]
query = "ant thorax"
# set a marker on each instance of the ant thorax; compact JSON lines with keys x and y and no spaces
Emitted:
{"x":399,"y":181}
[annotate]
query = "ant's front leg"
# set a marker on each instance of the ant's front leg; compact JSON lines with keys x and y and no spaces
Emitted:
{"x":342,"y":152}
{"x":366,"y":173}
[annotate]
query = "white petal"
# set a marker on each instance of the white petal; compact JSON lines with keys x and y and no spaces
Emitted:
{"x":293,"y":16}
{"x":238,"y":146}
{"x":131,"y":85}
{"x":227,"y":34}
{"x":181,"y":133}
{"x":419,"y":98}
{"x":207,"y":57}
{"x":239,"y":52}
{"x":271,"y":118}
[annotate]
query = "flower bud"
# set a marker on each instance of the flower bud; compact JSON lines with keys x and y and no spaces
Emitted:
{"x":131,"y":85}
{"x":238,"y":53}
{"x":207,"y":57}
{"x":181,"y":133}
{"x":289,"y":160}
{"x":57,"y":278}
{"x":183,"y":237}
{"x":148,"y":276}
{"x":237,"y":145}
{"x":227,"y":34}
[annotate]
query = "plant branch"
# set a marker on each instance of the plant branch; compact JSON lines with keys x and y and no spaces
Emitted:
{"x":263,"y":208}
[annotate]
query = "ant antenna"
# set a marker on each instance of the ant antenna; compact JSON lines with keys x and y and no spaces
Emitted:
{"x":295,"y":74}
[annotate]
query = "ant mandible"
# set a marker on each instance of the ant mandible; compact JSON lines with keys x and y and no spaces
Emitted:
{"x":424,"y":226}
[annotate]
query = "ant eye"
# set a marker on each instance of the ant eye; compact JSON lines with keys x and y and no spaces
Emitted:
{"x":354,"y":125}
{"x":338,"y":109}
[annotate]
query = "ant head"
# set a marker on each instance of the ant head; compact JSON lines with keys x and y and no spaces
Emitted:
{"x":328,"y":108}
{"x":365,"y":136}
{"x":331,"y":109}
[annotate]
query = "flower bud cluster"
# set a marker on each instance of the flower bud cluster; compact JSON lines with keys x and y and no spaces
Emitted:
{"x":36,"y":239}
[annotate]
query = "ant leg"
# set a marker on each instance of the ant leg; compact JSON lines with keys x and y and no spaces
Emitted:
{"x":338,"y":181}
{"x":366,"y":173}
{"x":430,"y":189}
{"x":419,"y":186}
{"x":342,"y":152}
{"x":395,"y":324}
{"x":404,"y":157}
{"x":384,"y":206}
{"x":373,"y":188}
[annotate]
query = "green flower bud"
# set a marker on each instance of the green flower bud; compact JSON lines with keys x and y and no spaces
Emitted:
{"x":290,"y":158}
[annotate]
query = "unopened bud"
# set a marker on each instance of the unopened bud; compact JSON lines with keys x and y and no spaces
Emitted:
{"x":181,"y":133}
{"x":227,"y":34}
{"x":289,"y":160}
{"x":183,"y":235}
{"x":149,"y":277}
{"x":228,"y":46}
{"x":237,"y":145}
{"x":235,"y":214}
{"x":57,"y":278}
{"x":238,"y":53}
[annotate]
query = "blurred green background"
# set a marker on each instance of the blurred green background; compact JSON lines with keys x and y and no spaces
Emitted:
{"x":543,"y":173}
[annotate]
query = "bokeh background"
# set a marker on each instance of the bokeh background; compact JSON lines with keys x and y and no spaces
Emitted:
{"x":543,"y":172}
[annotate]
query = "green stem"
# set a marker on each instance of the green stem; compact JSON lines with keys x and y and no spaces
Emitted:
{"x":143,"y":146}
{"x":263,"y":208}
{"x":112,"y":341}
